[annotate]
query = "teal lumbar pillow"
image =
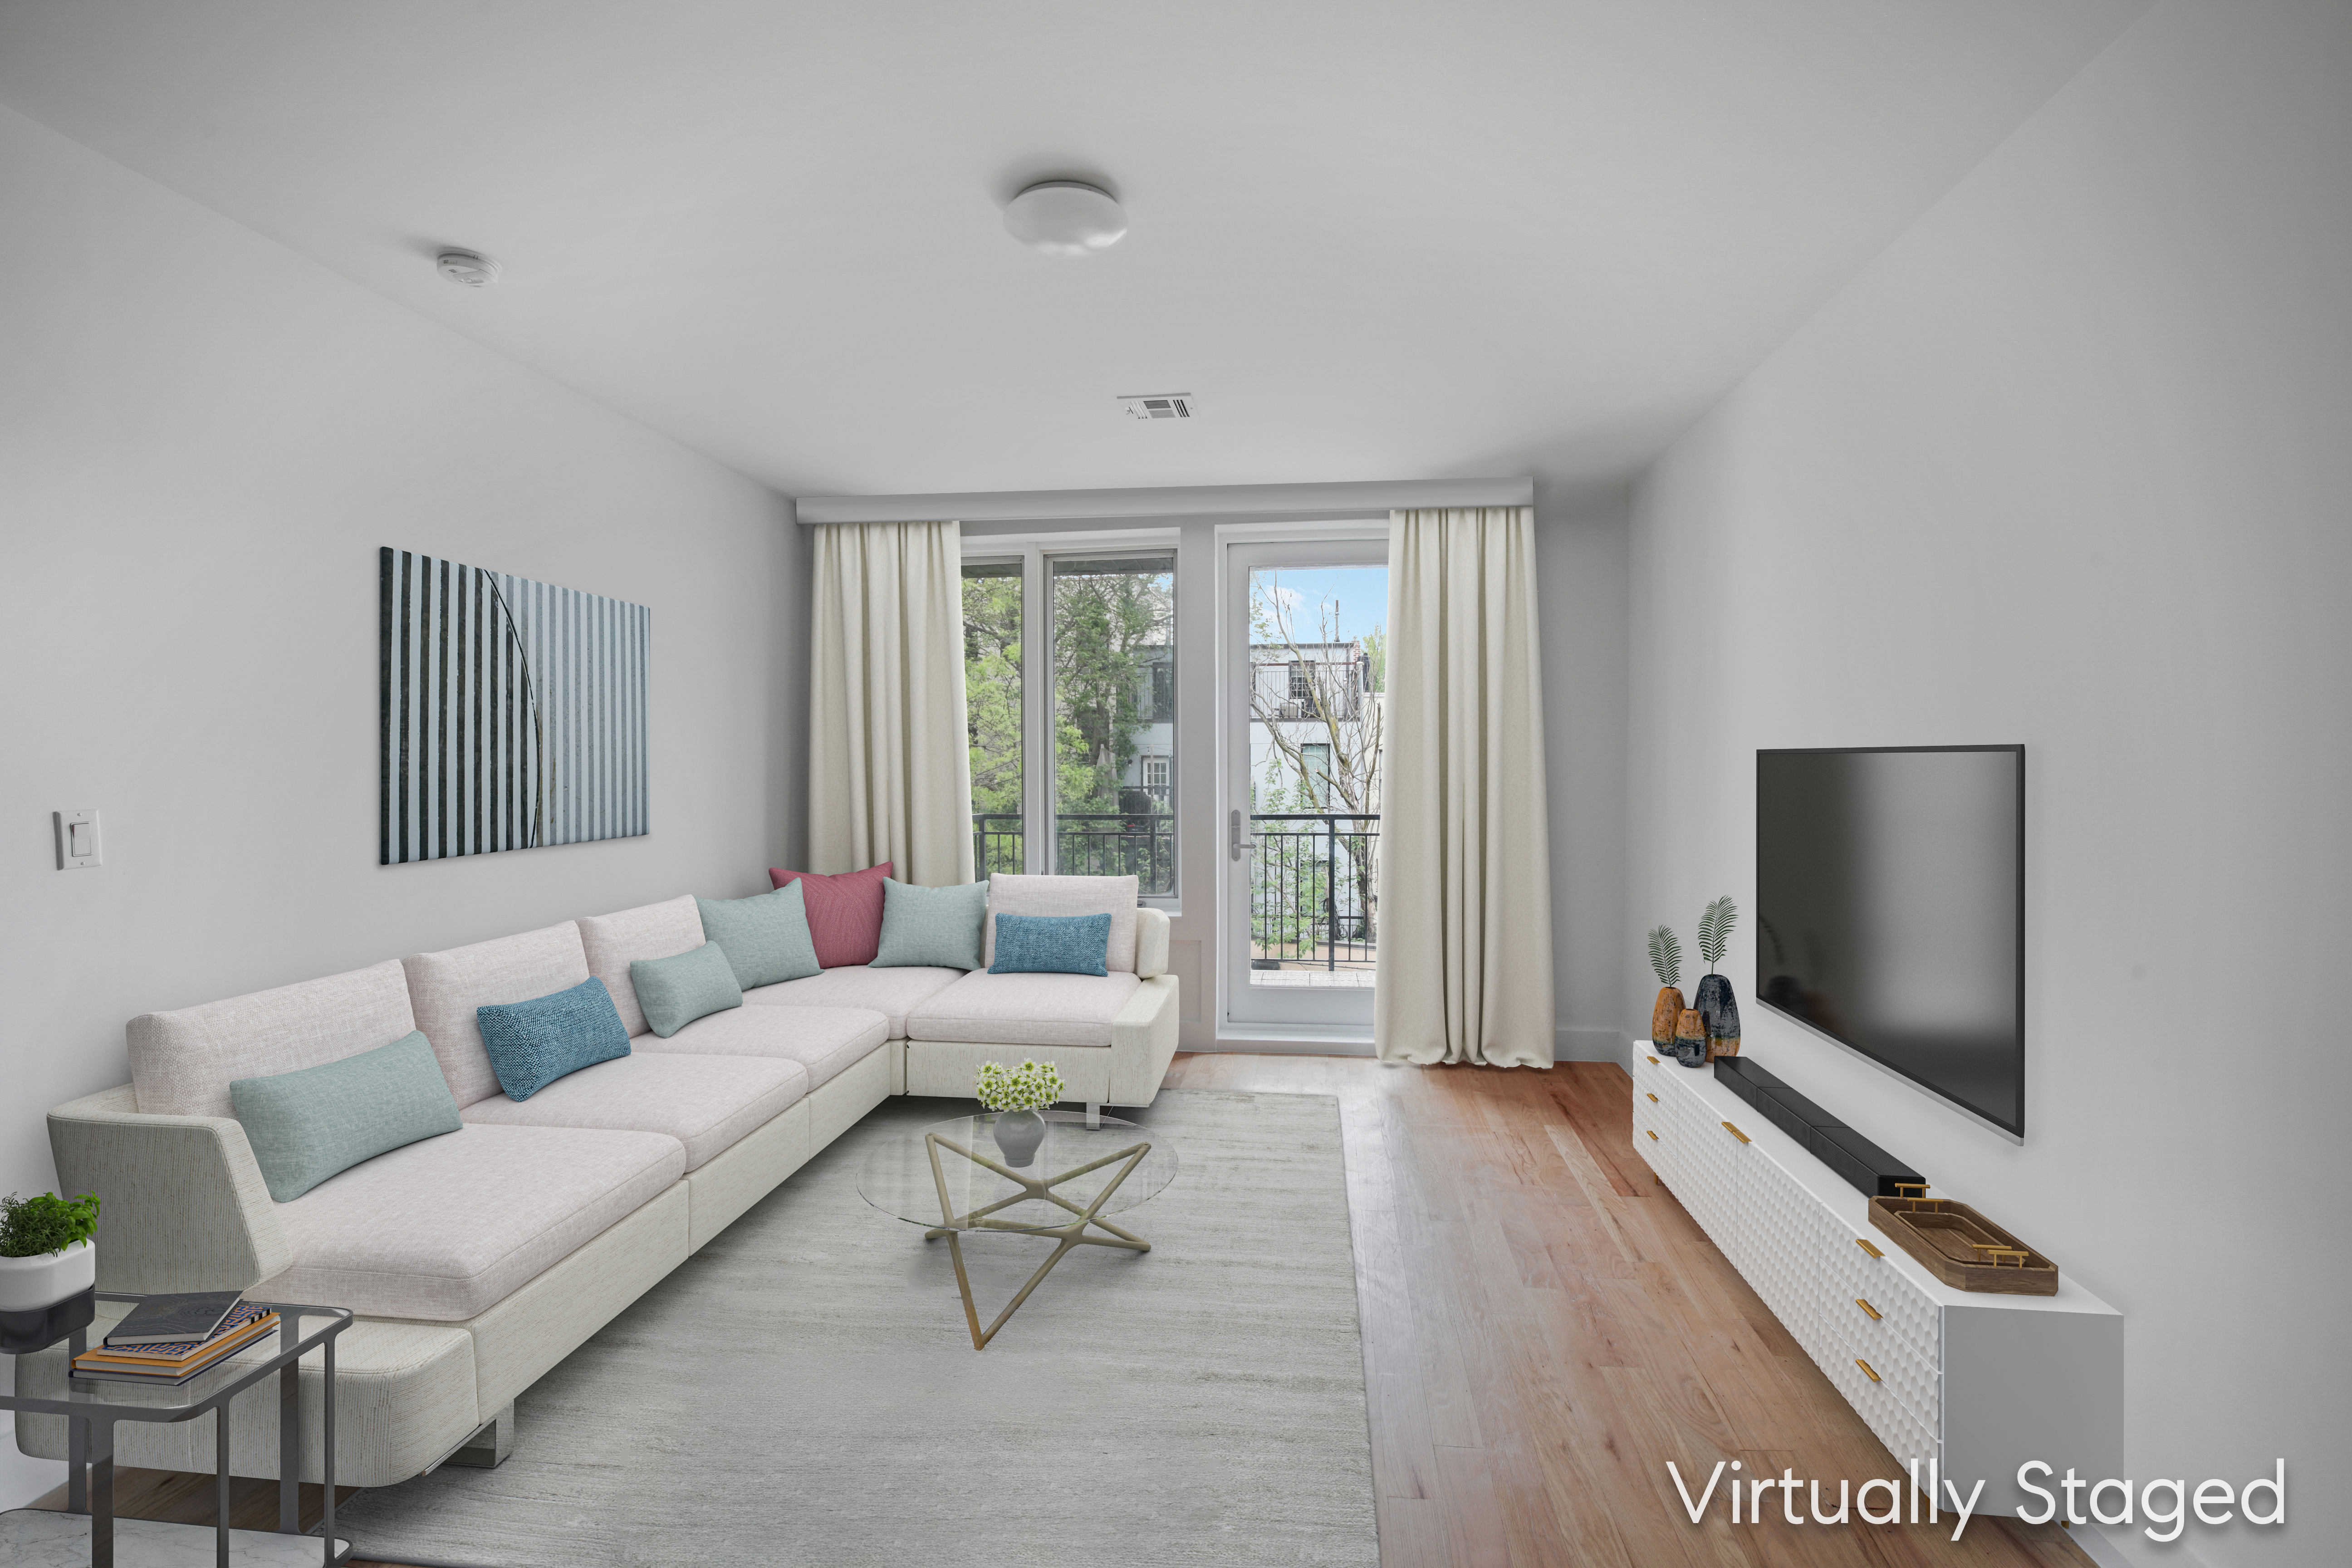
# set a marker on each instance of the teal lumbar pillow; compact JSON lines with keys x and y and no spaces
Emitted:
{"x":937,"y":927}
{"x":675,"y":992}
{"x":1051,"y":944}
{"x":318,"y":1122}
{"x":765,"y":939}
{"x":532,"y":1043}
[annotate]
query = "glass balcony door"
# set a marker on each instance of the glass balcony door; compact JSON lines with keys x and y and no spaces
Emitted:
{"x":1305,"y":663}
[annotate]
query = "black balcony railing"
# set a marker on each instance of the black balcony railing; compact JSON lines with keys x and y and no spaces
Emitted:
{"x":1313,"y":890}
{"x":1141,"y":845}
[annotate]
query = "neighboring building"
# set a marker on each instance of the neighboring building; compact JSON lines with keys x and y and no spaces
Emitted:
{"x":1283,"y":677}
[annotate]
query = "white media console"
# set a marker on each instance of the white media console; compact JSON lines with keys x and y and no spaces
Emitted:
{"x":1979,"y":1382}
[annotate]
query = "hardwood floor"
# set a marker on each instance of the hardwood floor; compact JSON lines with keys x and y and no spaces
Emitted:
{"x":1544,"y":1327}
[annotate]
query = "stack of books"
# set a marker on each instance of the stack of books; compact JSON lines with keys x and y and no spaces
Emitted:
{"x":170,"y":1339}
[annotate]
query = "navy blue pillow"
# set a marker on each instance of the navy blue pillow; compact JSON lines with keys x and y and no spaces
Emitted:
{"x":532,"y":1044}
{"x":1051,"y":944}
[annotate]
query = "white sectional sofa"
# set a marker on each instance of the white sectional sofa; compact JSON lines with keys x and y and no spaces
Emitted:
{"x":478,"y":1259}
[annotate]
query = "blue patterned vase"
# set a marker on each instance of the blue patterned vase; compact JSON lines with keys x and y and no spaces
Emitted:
{"x":1720,"y":1014}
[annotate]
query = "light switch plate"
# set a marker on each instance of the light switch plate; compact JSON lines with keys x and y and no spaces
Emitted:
{"x":79,"y":845}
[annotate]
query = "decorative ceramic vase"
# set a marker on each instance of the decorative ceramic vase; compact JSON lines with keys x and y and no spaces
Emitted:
{"x":1018,"y":1133}
{"x":1720,"y":1014}
{"x":1690,"y":1039}
{"x":32,"y":1284}
{"x":1665,"y":1014}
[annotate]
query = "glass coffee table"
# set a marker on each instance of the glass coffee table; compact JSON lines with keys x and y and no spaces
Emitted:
{"x":970,"y":1174}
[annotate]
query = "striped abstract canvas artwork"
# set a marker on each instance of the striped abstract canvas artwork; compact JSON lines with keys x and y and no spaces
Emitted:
{"x":513,"y":713}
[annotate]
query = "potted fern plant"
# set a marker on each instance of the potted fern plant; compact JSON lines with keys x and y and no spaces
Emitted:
{"x":1666,"y":962}
{"x":49,"y":1250}
{"x":1716,"y":1009}
{"x":1017,"y":1095}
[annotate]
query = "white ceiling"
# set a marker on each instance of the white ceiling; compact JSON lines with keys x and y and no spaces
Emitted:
{"x":1377,"y":239}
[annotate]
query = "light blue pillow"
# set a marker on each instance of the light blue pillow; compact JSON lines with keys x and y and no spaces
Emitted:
{"x":765,"y":938}
{"x":320,"y":1121}
{"x":532,"y":1043}
{"x":1051,"y":944}
{"x":931,"y":926}
{"x":675,"y":992}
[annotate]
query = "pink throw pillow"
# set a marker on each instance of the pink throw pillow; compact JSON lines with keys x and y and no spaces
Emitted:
{"x":845,"y":912}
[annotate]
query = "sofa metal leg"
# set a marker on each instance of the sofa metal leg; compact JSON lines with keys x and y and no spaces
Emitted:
{"x":487,"y":1448}
{"x":1094,"y":1113}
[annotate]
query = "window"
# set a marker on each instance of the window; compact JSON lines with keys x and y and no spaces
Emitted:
{"x":992,"y":684}
{"x":1302,"y":683}
{"x":1113,"y":636}
{"x":1315,"y":763}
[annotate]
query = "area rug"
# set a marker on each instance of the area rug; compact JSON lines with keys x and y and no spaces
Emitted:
{"x":803,"y":1393}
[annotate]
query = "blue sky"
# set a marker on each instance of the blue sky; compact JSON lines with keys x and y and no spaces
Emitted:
{"x":1361,"y":591}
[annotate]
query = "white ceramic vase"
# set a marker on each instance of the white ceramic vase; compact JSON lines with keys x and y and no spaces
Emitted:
{"x":30,"y":1284}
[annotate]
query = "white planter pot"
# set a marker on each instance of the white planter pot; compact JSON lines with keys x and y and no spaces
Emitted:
{"x":30,"y":1284}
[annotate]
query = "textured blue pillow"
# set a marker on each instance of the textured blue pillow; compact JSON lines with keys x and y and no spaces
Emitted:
{"x":320,"y":1121}
{"x":676,"y":991}
{"x":1051,"y":944}
{"x":765,"y":938}
{"x":937,"y":927}
{"x":532,"y":1044}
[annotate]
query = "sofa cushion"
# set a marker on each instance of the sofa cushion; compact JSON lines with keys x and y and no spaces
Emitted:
{"x":532,"y":1043}
{"x":845,"y":910}
{"x":893,"y":993}
{"x":708,"y":1103}
{"x":678,"y":990}
{"x":1112,"y":896}
{"x":824,"y":1040}
{"x":931,"y":927}
{"x":1051,"y":944}
{"x":447,"y":1228}
{"x":1024,"y":1009}
{"x":766,"y":938}
{"x":446,"y":988}
{"x":307,"y":1125}
{"x":650,"y":931}
{"x":182,"y":1062}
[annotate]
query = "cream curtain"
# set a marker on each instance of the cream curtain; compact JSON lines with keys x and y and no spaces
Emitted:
{"x":1466,"y":870}
{"x":889,"y":774}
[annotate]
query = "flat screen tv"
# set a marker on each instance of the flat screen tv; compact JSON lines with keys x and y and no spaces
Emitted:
{"x":1890,"y":888}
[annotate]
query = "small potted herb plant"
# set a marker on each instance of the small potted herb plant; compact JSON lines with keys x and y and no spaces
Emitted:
{"x":1713,"y":1001}
{"x":1016,"y":1095}
{"x":49,"y":1250}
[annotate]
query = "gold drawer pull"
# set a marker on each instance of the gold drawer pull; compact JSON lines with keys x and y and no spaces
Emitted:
{"x":1653,"y":1098}
{"x":1867,"y":1307}
{"x":1865,"y":1369}
{"x":1736,"y":1132}
{"x":1865,"y":1245}
{"x":1654,"y":1137}
{"x":1654,"y":1062}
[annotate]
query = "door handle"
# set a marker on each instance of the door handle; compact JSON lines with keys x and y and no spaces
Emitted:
{"x":1240,"y":843}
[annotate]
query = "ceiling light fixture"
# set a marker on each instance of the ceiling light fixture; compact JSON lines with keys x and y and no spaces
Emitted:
{"x":471,"y":268}
{"x":1066,"y":217}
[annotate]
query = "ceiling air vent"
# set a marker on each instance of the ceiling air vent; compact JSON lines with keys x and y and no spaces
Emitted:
{"x":1158,"y":405}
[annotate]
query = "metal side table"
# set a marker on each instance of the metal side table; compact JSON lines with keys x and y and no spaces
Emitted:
{"x":92,"y":1406}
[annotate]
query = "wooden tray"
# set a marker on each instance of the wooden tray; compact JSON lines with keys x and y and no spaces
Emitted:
{"x":1963,"y":1248}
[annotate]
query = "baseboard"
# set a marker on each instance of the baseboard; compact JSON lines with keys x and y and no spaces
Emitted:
{"x":2125,"y":1546}
{"x":1572,"y":1044}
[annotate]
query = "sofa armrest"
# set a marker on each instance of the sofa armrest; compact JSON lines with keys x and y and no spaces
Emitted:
{"x":183,"y":1204}
{"x":1150,"y":943}
{"x":1143,"y":1041}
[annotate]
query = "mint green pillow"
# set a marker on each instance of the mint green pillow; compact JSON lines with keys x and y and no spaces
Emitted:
{"x":766,"y":938}
{"x":931,"y":926}
{"x":675,"y":992}
{"x":318,"y":1122}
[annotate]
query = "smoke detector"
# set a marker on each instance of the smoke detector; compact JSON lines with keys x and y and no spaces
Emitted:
{"x":1158,"y":405}
{"x":471,"y":268}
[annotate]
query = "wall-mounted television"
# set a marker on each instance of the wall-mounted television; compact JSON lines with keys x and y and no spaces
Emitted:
{"x":1890,"y":891}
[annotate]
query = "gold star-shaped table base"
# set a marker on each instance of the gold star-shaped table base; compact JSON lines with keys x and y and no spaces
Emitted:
{"x":952,"y":1225}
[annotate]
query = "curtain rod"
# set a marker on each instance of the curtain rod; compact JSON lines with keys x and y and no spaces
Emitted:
{"x":1325,"y":500}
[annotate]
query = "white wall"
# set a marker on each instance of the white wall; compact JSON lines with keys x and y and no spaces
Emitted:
{"x":2069,"y":466}
{"x":203,"y":439}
